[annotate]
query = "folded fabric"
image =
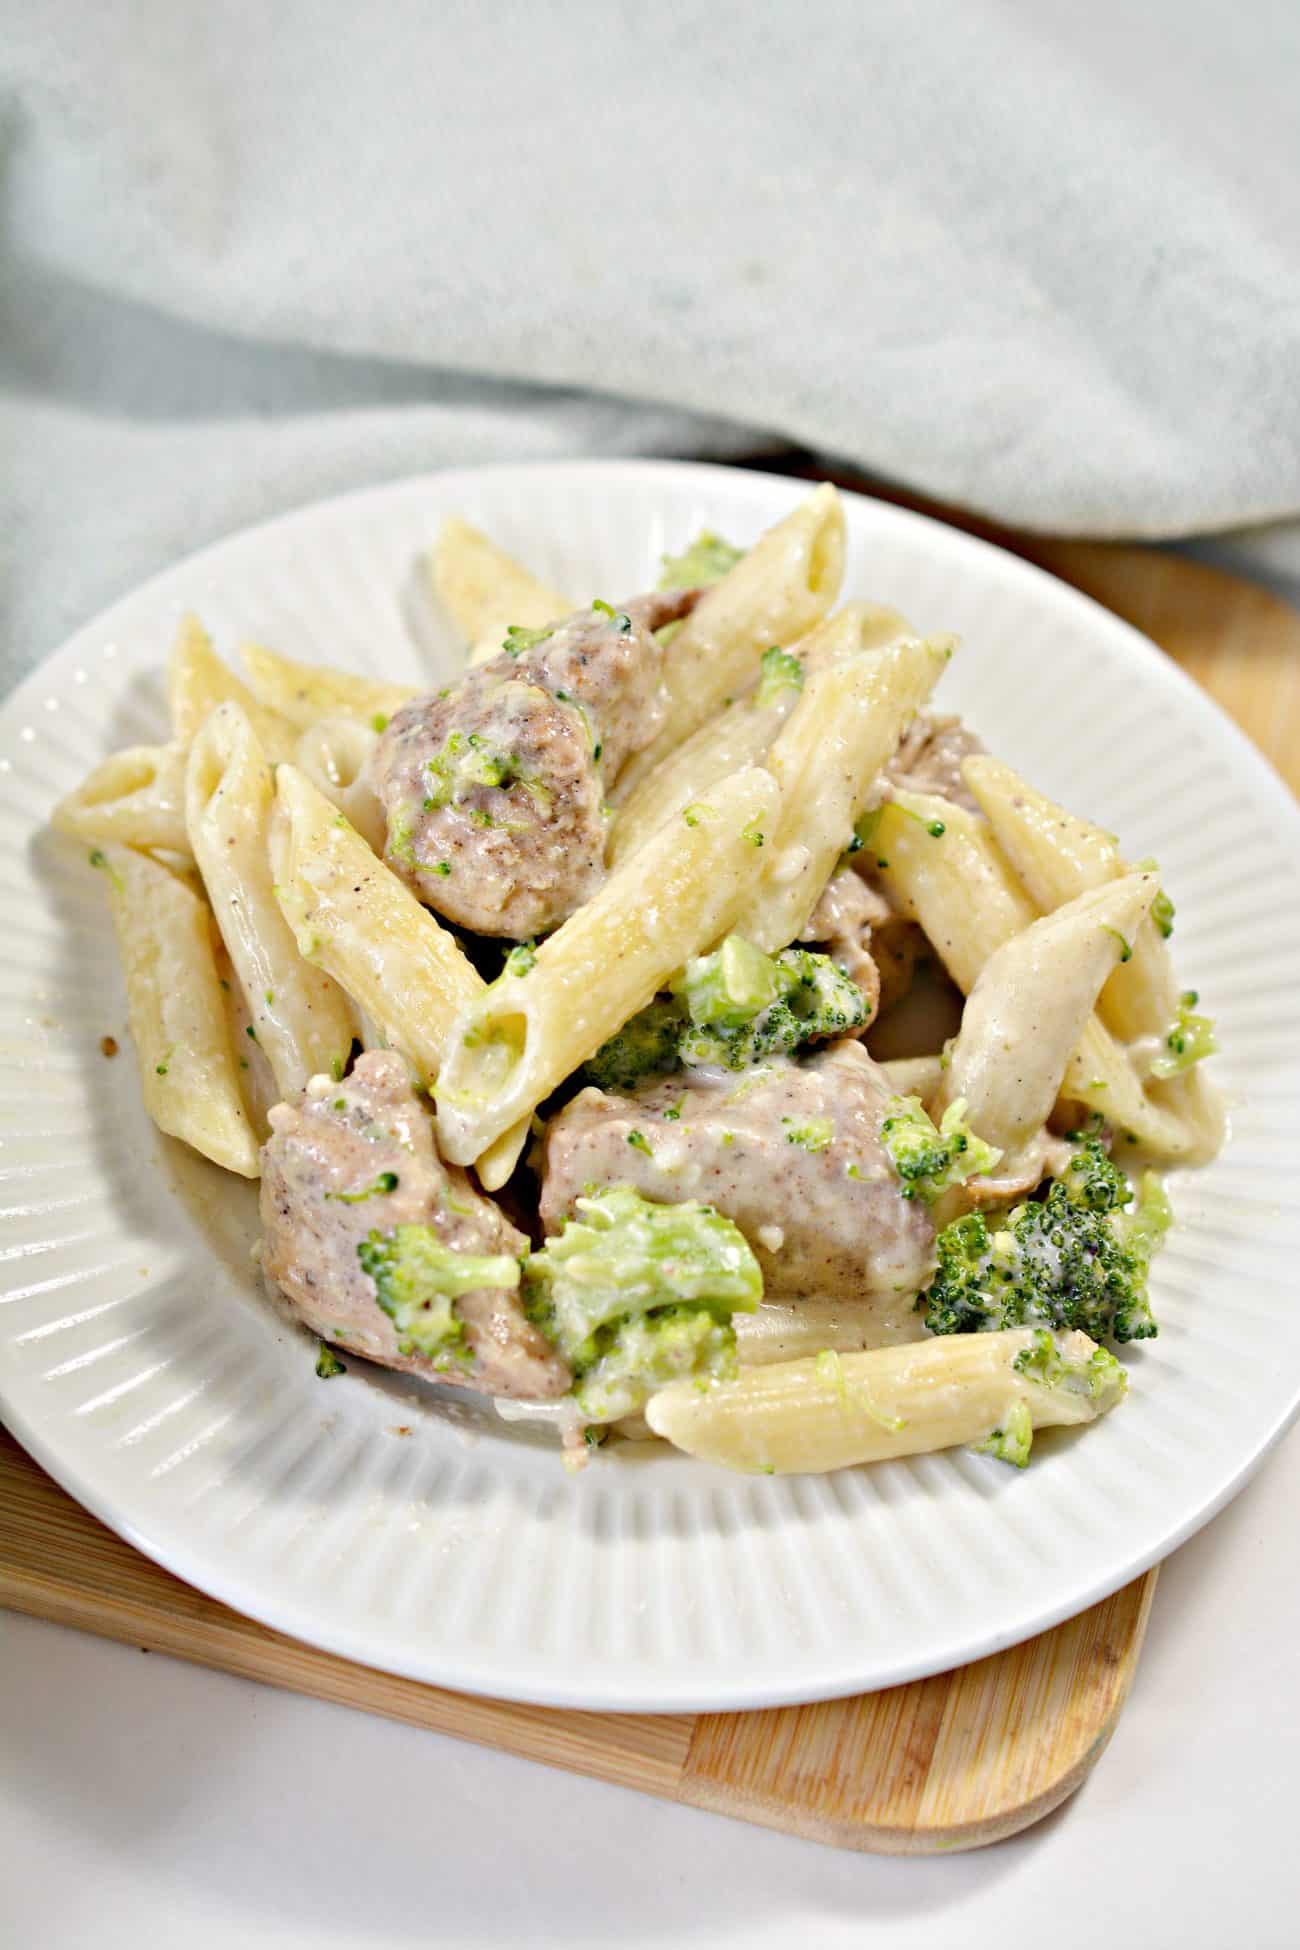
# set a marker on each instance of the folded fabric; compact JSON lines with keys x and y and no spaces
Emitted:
{"x":1038,"y":260}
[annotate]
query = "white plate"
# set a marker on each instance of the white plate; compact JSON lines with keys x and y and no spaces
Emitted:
{"x":141,"y":1366}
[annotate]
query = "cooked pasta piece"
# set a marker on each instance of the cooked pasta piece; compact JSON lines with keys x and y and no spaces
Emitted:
{"x":1029,"y":1007}
{"x":299,"y":1016}
{"x":197,"y":681}
{"x":333,"y":755}
{"x":168,"y":945}
{"x":355,"y":919}
{"x":774,"y":595}
{"x":546,"y":1016}
{"x":825,"y":760}
{"x":743,"y":732}
{"x":136,"y":797}
{"x":486,"y":590}
{"x":1058,"y":856}
{"x":940,"y":866}
{"x":836,"y":1410}
{"x":304,"y":693}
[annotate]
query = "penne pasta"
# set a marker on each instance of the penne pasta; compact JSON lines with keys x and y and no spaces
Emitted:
{"x":197,"y":681}
{"x":1029,"y":1007}
{"x":1059,"y":856}
{"x":167,"y":944}
{"x":299,"y":1016}
{"x":825,"y":760}
{"x":942,"y":867}
{"x":837,"y":1410}
{"x":333,"y":755}
{"x":486,"y":590}
{"x":531,"y":1030}
{"x":302,"y":694}
{"x":742,"y":733}
{"x":357,"y":920}
{"x":135,"y":797}
{"x":775,"y":594}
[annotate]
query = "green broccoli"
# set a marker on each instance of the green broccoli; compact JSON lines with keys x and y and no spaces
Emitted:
{"x":1012,"y":1442}
{"x":635,"y":1294}
{"x":1162,"y":908}
{"x":644,"y":1047}
{"x":707,"y":559}
{"x":519,"y":638}
{"x":1046,"y":1364}
{"x":930,"y":1158}
{"x":779,"y":671}
{"x":465,"y":760}
{"x":727,"y":989}
{"x":417,"y":1279}
{"x":1188,"y":1038}
{"x":809,"y":999}
{"x":729,"y":1010}
{"x":328,"y":1363}
{"x":1076,"y":1258}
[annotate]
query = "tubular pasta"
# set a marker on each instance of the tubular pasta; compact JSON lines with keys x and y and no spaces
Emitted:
{"x":676,"y":898}
{"x":167,"y":944}
{"x":299,"y":1016}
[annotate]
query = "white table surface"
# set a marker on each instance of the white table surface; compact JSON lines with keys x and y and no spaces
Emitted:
{"x":144,"y":1802}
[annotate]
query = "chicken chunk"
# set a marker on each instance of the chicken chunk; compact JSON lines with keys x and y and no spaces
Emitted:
{"x":493,"y":788}
{"x":929,"y":759}
{"x":350,"y":1159}
{"x":791,"y":1153}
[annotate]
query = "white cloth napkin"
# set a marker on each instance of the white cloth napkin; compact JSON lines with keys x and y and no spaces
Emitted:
{"x":1039,"y":259}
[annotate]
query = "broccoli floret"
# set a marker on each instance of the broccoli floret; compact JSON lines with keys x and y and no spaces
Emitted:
{"x":1012,"y":1442}
{"x":328,"y":1363}
{"x":727,"y":989}
{"x":810,"y":999}
{"x":519,"y":638}
{"x":1162,"y":908}
{"x":1188,"y":1038}
{"x":730,"y":1010}
{"x":635,"y":1294}
{"x":465,"y":760}
{"x":417,"y":1279}
{"x":1044,"y":1363}
{"x":1076,"y":1258}
{"x":779,"y":671}
{"x":644,"y":1047}
{"x":638,"y":1356}
{"x":705,"y":561}
{"x":930,"y":1158}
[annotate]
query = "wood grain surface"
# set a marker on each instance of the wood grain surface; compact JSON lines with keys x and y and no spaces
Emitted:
{"x":952,"y":1762}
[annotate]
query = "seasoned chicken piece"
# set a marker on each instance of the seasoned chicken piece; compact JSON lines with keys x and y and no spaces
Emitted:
{"x":791,"y":1152}
{"x":492,"y":788}
{"x":350,"y":1159}
{"x":929,"y":759}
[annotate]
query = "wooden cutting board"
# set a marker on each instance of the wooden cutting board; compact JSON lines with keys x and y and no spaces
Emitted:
{"x":952,"y":1762}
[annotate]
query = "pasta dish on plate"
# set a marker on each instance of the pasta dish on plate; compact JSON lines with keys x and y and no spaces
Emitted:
{"x":672,"y":1026}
